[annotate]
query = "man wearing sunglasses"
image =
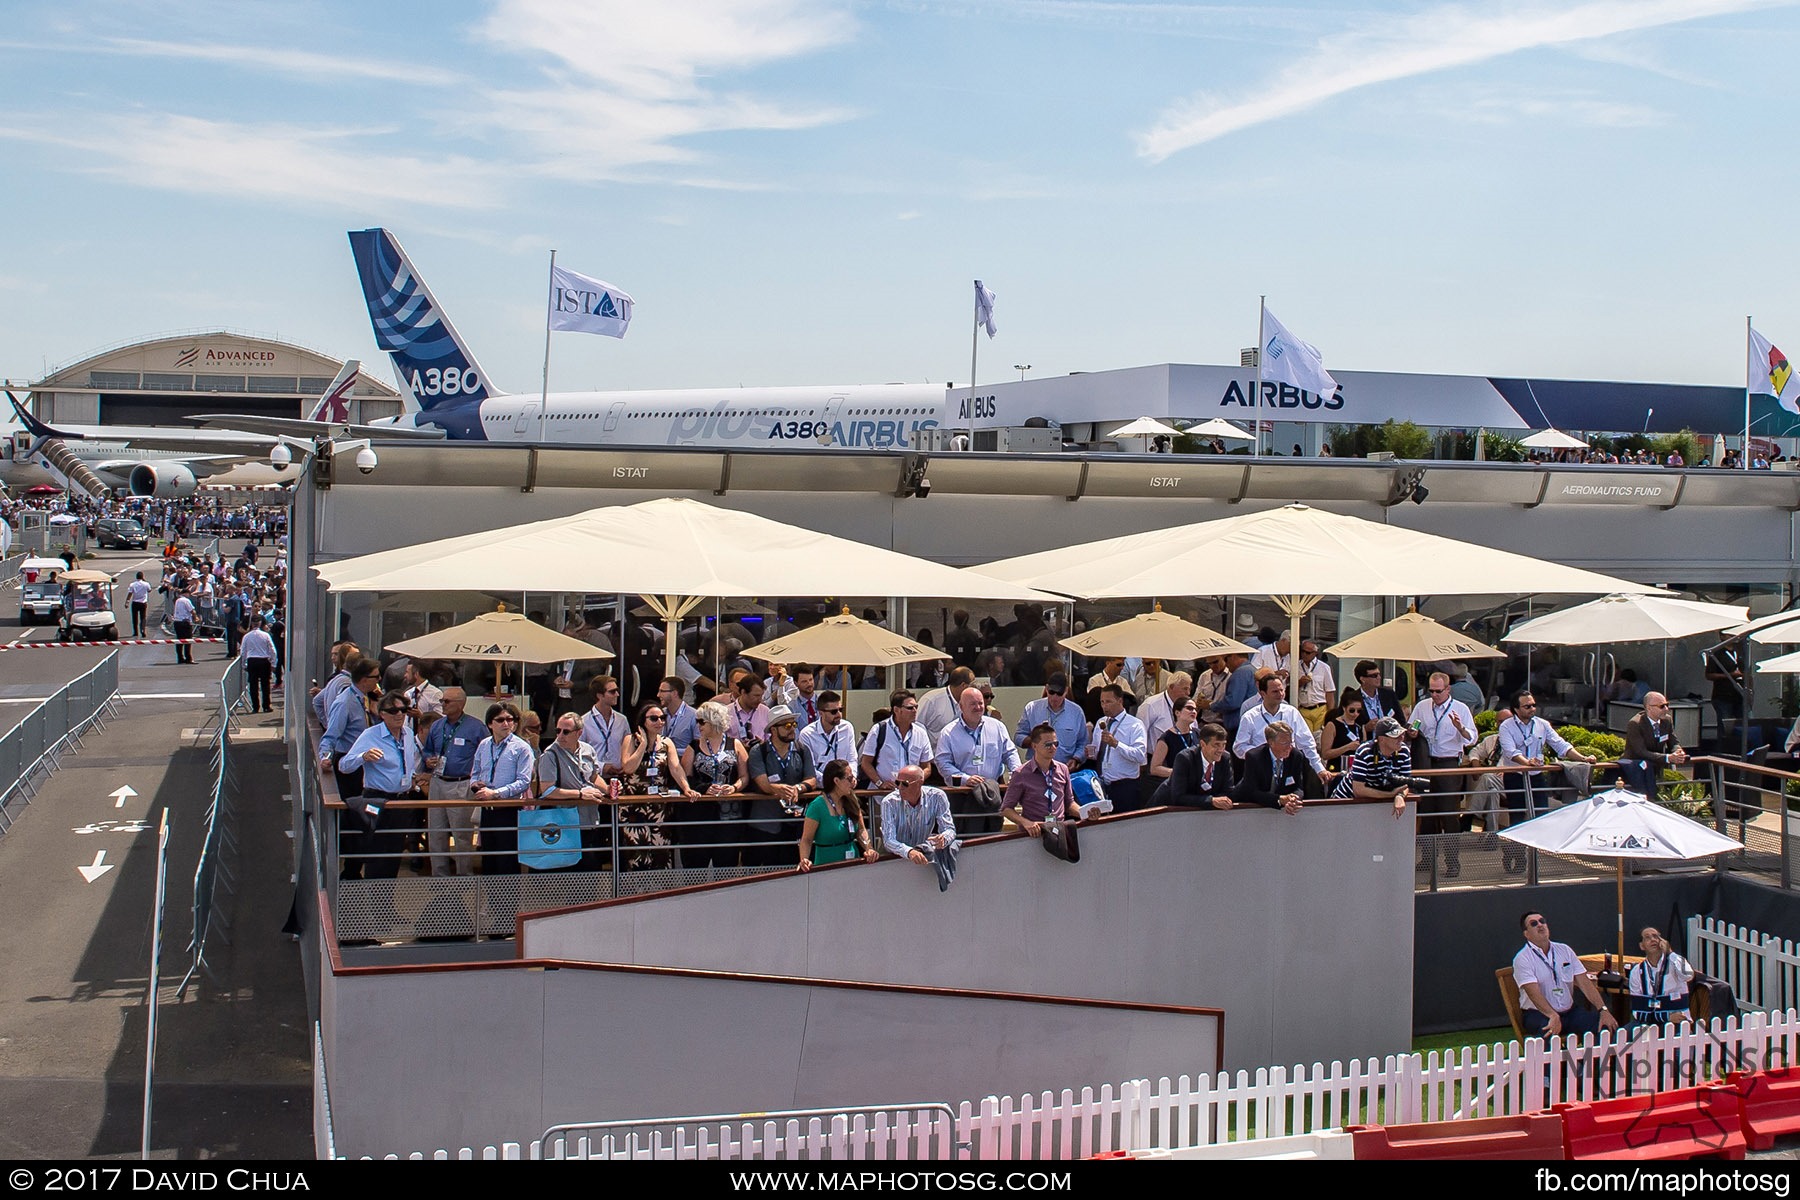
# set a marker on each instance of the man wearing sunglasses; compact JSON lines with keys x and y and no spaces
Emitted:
{"x":830,"y":736}
{"x":1650,"y":746}
{"x":1523,"y":741}
{"x":1549,"y":974}
{"x":502,"y":771}
{"x":1040,"y":786}
{"x":386,"y":755}
{"x":916,"y":824}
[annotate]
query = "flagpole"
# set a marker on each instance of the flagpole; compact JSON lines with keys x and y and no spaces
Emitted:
{"x":1749,"y":348}
{"x":544,"y":396}
{"x":974,"y":345}
{"x":1262,"y":303}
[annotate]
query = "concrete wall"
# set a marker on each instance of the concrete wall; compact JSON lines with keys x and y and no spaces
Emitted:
{"x":1300,"y":927}
{"x":420,"y":1060}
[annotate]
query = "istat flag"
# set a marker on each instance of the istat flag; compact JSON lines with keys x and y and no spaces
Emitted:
{"x":1287,"y":359}
{"x":587,"y":305}
{"x":984,"y":308}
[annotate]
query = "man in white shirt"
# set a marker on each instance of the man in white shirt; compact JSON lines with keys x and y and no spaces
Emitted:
{"x":1523,"y":740}
{"x":605,"y":729}
{"x":1548,"y":974}
{"x":940,"y":706}
{"x":1445,"y":729}
{"x":896,"y":742}
{"x":1158,"y":712}
{"x":183,"y":620}
{"x":1275,"y":657}
{"x":1314,"y":687}
{"x":139,"y":591}
{"x":258,"y":649}
{"x":422,"y":696}
{"x":1117,"y":749}
{"x":1269,"y":706}
{"x":1659,"y":984}
{"x":831,"y":736}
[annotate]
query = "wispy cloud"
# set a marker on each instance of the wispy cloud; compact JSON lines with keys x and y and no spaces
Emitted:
{"x":300,"y":63}
{"x":1495,"y":107}
{"x":313,"y":168}
{"x":1436,"y":39}
{"x":628,"y":85}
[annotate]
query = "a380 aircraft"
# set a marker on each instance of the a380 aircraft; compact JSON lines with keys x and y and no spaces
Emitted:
{"x":437,"y":370}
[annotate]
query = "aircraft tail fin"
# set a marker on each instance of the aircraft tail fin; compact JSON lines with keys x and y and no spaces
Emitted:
{"x":436,"y":370}
{"x":333,"y":405}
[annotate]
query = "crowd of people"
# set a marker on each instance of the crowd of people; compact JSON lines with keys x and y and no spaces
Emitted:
{"x":760,"y":767}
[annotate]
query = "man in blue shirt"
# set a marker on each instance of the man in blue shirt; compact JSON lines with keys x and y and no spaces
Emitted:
{"x":503,"y":770}
{"x":916,"y":824}
{"x":386,"y":755}
{"x":975,"y":752}
{"x":450,"y":757}
{"x":1069,"y":722}
{"x":347,"y":719}
{"x":1238,"y":691}
{"x":672,"y":695}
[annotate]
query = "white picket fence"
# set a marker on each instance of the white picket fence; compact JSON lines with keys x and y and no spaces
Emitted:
{"x":1762,"y":969}
{"x":1503,"y":1079}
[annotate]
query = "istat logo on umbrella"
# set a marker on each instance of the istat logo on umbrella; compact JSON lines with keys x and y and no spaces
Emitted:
{"x":1615,"y":841}
{"x":477,"y":648}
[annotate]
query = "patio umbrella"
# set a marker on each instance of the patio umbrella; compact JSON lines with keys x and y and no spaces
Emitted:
{"x":1296,"y":554}
{"x":1553,"y":439}
{"x":44,"y":489}
{"x":672,"y":552}
{"x":1217,"y":427}
{"x":1154,"y":635}
{"x":1776,"y":629}
{"x":65,"y":519}
{"x":1618,"y":824}
{"x":1787,"y":664}
{"x":1147,"y":428}
{"x":845,"y":640}
{"x":1633,"y":618}
{"x":499,"y":637}
{"x":1413,"y":637}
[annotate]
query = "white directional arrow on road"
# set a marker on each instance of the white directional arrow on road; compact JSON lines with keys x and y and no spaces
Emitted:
{"x":122,"y":795}
{"x":100,"y":867}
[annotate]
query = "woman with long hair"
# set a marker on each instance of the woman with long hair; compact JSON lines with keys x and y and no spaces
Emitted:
{"x":717,"y":766}
{"x":835,"y":830}
{"x":652,"y":767}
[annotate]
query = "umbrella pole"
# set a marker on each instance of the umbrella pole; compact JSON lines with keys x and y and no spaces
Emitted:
{"x":1621,"y":868}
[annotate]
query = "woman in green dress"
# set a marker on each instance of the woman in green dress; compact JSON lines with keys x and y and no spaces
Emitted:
{"x":835,"y":831}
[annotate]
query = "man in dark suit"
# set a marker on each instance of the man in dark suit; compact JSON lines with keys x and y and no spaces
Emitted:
{"x":1203,"y":775}
{"x":1275,"y":775}
{"x":1378,"y":701}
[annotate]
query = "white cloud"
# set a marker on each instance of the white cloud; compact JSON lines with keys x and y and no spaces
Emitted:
{"x":303,"y":63}
{"x":662,"y":51}
{"x":313,"y":168}
{"x":1435,"y":39}
{"x":1569,"y":107}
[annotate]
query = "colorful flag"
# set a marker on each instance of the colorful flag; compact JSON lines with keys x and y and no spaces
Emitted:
{"x":587,"y":305}
{"x":984,"y":308}
{"x":1287,"y":359}
{"x":1771,"y":374}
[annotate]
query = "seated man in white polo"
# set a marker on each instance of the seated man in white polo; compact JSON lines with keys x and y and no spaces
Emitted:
{"x":1548,"y":974}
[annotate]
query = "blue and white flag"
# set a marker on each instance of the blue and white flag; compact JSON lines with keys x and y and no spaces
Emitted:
{"x":984,"y":308}
{"x":587,"y":305}
{"x":1287,"y":359}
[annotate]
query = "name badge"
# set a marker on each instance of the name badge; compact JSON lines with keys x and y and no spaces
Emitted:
{"x":1287,"y":779}
{"x":459,"y":741}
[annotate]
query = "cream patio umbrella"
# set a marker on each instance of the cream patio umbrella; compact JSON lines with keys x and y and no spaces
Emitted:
{"x":1413,"y":637}
{"x":1154,"y":635}
{"x":1553,"y":439}
{"x":1775,"y":629}
{"x":672,"y":552}
{"x":500,"y":637}
{"x":1297,"y":555}
{"x":1217,"y":427}
{"x":1619,"y":824}
{"x":845,"y":640}
{"x":1641,"y":617}
{"x":1146,"y":428}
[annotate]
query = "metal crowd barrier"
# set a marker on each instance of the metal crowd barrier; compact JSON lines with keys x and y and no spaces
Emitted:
{"x":215,"y":878}
{"x":33,"y":749}
{"x":9,"y":569}
{"x":1750,"y":802}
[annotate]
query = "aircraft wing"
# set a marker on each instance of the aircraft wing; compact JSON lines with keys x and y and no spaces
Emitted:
{"x":304,"y":428}
{"x":202,"y":465}
{"x":148,"y":437}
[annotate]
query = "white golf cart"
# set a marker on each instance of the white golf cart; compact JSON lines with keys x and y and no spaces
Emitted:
{"x":87,"y":614}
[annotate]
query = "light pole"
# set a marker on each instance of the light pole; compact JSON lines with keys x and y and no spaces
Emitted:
{"x":1021,"y":368}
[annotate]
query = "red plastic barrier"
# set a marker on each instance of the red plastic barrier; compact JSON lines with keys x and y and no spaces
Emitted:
{"x":1537,"y":1136}
{"x":1770,"y":1104}
{"x":1696,"y":1122}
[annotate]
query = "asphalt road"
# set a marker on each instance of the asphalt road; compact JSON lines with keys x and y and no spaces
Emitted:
{"x":233,"y":1056}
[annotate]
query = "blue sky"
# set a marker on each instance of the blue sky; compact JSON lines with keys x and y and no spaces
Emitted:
{"x":800,"y":191}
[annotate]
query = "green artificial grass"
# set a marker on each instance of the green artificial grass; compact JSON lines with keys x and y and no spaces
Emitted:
{"x":1461,"y":1038}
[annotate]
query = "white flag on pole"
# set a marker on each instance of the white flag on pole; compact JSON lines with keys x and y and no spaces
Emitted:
{"x":984,"y":309}
{"x":587,"y":305}
{"x":1771,"y":374}
{"x":1287,"y":359}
